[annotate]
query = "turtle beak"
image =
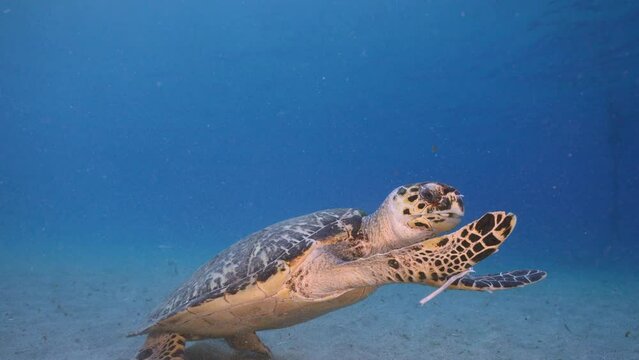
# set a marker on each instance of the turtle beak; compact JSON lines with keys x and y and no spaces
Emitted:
{"x":457,"y":206}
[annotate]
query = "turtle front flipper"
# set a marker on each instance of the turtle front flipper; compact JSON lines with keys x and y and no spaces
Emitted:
{"x":432,"y":261}
{"x":162,"y":346}
{"x":501,"y":281}
{"x":436,"y":260}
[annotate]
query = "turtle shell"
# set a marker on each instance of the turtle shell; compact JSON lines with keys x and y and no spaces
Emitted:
{"x":256,"y":258}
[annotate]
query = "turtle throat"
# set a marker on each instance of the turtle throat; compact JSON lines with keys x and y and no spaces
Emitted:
{"x":384,"y":231}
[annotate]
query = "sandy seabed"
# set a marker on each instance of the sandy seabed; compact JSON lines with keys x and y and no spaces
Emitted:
{"x":64,"y":310}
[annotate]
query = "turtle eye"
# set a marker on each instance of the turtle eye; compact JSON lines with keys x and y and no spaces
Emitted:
{"x":430,"y":196}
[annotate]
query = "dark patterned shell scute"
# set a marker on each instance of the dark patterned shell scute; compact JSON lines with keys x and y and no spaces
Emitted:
{"x":257,"y":257}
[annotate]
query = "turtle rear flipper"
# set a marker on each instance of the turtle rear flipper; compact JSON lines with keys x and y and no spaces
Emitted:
{"x":162,"y":346}
{"x":500,"y":281}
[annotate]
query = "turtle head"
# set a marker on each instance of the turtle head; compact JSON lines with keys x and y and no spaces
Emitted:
{"x":430,"y":208}
{"x":415,"y":212}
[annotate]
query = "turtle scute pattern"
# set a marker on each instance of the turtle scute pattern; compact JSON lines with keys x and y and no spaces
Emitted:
{"x":257,"y":257}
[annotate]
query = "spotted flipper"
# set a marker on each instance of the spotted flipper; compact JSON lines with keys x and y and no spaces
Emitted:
{"x":433,"y":261}
{"x":501,"y":281}
{"x":162,"y":346}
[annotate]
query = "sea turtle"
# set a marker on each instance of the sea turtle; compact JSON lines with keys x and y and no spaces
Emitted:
{"x":304,"y":267}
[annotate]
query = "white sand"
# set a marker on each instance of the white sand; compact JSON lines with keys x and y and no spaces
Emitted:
{"x":72,"y":310}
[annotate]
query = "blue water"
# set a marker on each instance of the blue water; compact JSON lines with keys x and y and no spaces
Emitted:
{"x":132,"y":129}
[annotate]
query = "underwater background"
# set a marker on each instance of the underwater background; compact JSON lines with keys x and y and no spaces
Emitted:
{"x":138,"y":139}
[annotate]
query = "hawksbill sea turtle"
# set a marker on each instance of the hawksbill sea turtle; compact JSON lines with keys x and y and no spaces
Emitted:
{"x":304,"y":267}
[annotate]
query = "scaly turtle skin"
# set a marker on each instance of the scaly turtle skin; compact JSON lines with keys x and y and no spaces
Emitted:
{"x":304,"y":267}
